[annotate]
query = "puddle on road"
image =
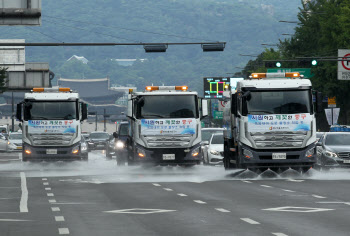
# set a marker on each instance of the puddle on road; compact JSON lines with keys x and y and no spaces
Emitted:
{"x":100,"y":170}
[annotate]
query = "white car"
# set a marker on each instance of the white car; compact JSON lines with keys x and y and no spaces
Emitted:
{"x":216,"y":149}
{"x":15,"y":142}
{"x":4,"y":143}
{"x":206,"y":136}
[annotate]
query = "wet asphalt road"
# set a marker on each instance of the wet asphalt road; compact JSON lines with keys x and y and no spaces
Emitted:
{"x":100,"y":198}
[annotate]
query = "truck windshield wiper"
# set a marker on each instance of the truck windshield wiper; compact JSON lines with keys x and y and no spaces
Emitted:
{"x":159,"y":116}
{"x":69,"y":116}
{"x":39,"y":118}
{"x":267,"y":112}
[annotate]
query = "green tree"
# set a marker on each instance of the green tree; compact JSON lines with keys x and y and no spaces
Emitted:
{"x":3,"y":79}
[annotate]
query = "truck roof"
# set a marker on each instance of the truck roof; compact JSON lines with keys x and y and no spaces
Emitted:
{"x":165,"y":92}
{"x":51,"y":96}
{"x":273,"y":83}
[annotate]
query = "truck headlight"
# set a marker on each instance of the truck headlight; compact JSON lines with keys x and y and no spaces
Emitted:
{"x":214,"y":152}
{"x":75,"y":150}
{"x":141,"y":153}
{"x":330,"y":154}
{"x":247,"y":154}
{"x":195,"y":152}
{"x":310,"y":152}
{"x":119,"y":144}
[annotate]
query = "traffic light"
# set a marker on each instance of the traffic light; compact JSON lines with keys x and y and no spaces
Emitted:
{"x":314,"y":62}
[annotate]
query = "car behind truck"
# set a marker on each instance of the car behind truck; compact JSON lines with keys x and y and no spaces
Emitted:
{"x":51,"y":124}
{"x":271,"y":123}
{"x":165,"y":126}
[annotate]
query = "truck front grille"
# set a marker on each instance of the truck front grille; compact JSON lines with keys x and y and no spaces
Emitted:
{"x":51,"y":139}
{"x":168,"y":141}
{"x":293,"y":139}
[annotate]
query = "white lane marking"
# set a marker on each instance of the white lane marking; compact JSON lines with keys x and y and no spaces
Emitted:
{"x":44,"y":179}
{"x":199,"y":202}
{"x":265,"y":186}
{"x":70,"y":203}
{"x":158,"y":185}
{"x":298,"y":209}
{"x":45,"y":183}
{"x":318,"y":196}
{"x":182,"y":195}
{"x":168,"y":189}
{"x":296,"y":180}
{"x":346,"y":203}
{"x":19,"y":156}
{"x":7,"y":220}
{"x":245,"y":181}
{"x":55,"y":209}
{"x":47,"y":189}
{"x":279,"y":234}
{"x":52,"y":201}
{"x":287,"y":190}
{"x":63,"y":230}
{"x":23,"y":206}
{"x":59,"y":218}
{"x":250,"y":221}
{"x":50,"y":195}
{"x":9,"y":187}
{"x":222,"y":210}
{"x":8,"y":198}
{"x":139,"y":211}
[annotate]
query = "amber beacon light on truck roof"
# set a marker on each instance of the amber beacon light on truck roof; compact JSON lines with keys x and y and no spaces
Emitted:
{"x":40,"y":90}
{"x":291,"y":75}
{"x":178,"y":88}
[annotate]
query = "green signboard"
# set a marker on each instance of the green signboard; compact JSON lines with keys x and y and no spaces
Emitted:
{"x":218,"y":114}
{"x":306,"y":72}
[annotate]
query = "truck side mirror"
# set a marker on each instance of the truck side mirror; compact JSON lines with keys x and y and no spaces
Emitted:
{"x":130,"y":105}
{"x":19,"y":112}
{"x":204,"y":108}
{"x":319,"y":105}
{"x":115,"y":135}
{"x":84,"y":111}
{"x":234,"y":104}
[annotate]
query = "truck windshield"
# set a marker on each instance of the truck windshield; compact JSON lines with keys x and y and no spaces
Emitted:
{"x":170,"y":106}
{"x":50,"y":110}
{"x":277,"y":102}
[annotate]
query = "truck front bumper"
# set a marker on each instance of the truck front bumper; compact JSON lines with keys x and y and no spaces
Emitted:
{"x":42,"y":153}
{"x":160,"y":156}
{"x":296,"y":158}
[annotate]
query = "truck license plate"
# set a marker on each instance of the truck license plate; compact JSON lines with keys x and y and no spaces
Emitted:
{"x":279,"y":156}
{"x":168,"y":156}
{"x":51,"y":151}
{"x":346,"y":161}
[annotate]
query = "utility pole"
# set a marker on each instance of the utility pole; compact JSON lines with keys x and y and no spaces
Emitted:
{"x":13,"y":115}
{"x":96,"y":121}
{"x":104,"y":120}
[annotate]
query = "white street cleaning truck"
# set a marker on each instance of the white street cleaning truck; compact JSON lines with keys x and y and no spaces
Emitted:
{"x":165,"y":126}
{"x":51,"y":124}
{"x":270,"y":123}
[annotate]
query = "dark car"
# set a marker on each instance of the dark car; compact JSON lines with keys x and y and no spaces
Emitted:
{"x":86,"y":136}
{"x":98,"y":140}
{"x":333,"y":150}
{"x":120,"y":143}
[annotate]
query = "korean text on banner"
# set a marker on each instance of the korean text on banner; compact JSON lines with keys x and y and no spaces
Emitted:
{"x":52,"y":126}
{"x":279,"y":122}
{"x":168,"y":126}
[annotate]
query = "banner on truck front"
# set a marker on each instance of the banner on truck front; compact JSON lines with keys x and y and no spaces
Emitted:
{"x":168,"y":126}
{"x":279,"y":122}
{"x":52,"y":126}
